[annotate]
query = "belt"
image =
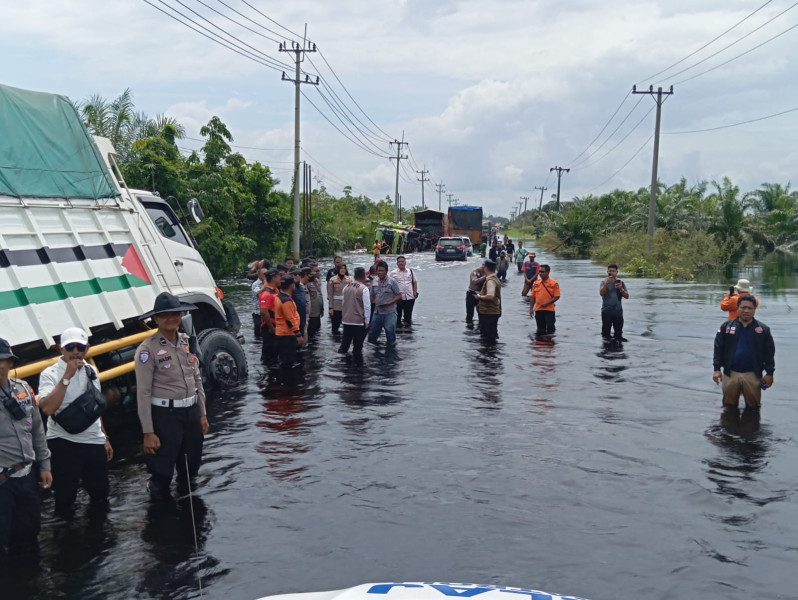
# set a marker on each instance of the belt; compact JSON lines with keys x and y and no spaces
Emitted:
{"x":18,"y":470}
{"x":174,"y":403}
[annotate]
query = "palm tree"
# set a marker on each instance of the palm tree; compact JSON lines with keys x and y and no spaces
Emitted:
{"x":110,"y":119}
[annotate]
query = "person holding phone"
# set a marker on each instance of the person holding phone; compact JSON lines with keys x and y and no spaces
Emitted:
{"x":612,"y":291}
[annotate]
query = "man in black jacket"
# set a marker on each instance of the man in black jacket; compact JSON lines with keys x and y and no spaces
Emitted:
{"x":744,"y":349}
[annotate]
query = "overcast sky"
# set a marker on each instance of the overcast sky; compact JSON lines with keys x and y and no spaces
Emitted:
{"x":490,"y":94}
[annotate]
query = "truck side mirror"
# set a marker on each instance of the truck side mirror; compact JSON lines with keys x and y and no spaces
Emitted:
{"x":195,"y":210}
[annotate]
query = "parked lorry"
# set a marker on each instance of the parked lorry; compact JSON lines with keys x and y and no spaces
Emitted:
{"x":465,"y":221}
{"x":79,"y":248}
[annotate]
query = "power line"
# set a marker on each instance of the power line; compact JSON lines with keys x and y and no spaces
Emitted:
{"x":639,"y":150}
{"x":244,"y":147}
{"x":703,"y":60}
{"x":298,"y":37}
{"x":301,"y":37}
{"x":739,"y":55}
{"x":621,"y":140}
{"x":224,"y":31}
{"x":357,"y":143}
{"x":350,"y":95}
{"x":219,"y":41}
{"x":705,"y":45}
{"x":271,"y":39}
{"x":614,"y":131}
{"x":602,"y":129}
{"x":337,"y":112}
{"x":784,"y":112}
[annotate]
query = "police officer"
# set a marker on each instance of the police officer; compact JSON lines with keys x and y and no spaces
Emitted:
{"x":22,"y":442}
{"x":171,"y":400}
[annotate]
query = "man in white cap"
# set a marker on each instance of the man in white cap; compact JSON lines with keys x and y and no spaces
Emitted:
{"x":81,"y":456}
{"x":729,"y":302}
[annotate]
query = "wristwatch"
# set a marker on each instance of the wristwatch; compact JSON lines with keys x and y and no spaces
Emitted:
{"x":65,"y":381}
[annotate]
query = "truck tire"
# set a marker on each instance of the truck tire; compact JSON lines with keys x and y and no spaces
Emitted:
{"x":221,"y":357}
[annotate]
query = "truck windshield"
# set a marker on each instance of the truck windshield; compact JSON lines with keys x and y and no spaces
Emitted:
{"x":166,"y":223}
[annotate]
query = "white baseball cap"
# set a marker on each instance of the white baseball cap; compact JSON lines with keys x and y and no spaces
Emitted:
{"x":74,"y":335}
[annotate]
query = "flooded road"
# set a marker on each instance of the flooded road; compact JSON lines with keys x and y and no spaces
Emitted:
{"x":569,"y":466}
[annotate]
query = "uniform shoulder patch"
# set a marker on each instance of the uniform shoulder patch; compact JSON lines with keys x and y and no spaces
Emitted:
{"x":144,"y":356}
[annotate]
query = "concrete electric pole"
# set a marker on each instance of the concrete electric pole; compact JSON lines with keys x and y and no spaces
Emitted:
{"x":299,"y":51}
{"x":399,"y":156}
{"x":652,"y":204}
{"x":560,"y":171}
{"x":525,"y":199}
{"x":542,"y":189}
{"x":423,"y":180}
{"x":440,"y":188}
{"x":449,"y":196}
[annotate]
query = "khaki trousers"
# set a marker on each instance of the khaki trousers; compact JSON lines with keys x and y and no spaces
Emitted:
{"x":747,"y":384}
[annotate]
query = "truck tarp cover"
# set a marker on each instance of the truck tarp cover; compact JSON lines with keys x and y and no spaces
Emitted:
{"x":45,"y":152}
{"x":466,"y":217}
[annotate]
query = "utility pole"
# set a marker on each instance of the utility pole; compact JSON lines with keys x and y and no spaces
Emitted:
{"x":512,"y":215}
{"x":440,"y":188}
{"x":542,"y":189}
{"x":652,"y":204}
{"x":299,"y":51}
{"x":559,"y":176}
{"x":519,"y":207}
{"x":449,"y":196}
{"x":422,"y":180}
{"x":525,"y":199}
{"x":399,"y":156}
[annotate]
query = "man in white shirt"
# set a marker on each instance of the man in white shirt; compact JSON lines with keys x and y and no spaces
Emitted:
{"x":355,"y":314}
{"x":76,"y":457}
{"x":408,"y":285}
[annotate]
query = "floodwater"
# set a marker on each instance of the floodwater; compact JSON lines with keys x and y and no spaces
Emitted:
{"x":567,"y":465}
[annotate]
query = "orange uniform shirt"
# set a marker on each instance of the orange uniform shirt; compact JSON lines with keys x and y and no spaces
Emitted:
{"x":286,"y":315}
{"x":729,"y":303}
{"x":542,"y":291}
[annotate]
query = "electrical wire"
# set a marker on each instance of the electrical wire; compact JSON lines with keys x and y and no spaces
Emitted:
{"x":703,"y":60}
{"x":623,"y":101}
{"x":224,"y":43}
{"x":614,"y":131}
{"x":784,"y":112}
{"x":608,"y":152}
{"x":336,"y":112}
{"x":299,"y":37}
{"x":224,"y":31}
{"x":358,"y":144}
{"x":639,"y":150}
{"x":738,"y":56}
{"x":657,"y":74}
{"x":276,"y":41}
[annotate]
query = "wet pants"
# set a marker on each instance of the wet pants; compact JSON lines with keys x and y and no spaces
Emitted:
{"x":72,"y":464}
{"x":20,"y":513}
{"x":256,"y":324}
{"x":404,"y":311}
{"x":268,"y":351}
{"x":747,"y":384}
{"x":471,"y":304}
{"x":545,"y":320}
{"x":286,"y":350}
{"x":314,"y":324}
{"x":356,"y":334}
{"x":380,"y":322}
{"x":180,"y":432}
{"x":612,"y":321}
{"x":489,"y":327}
{"x":335,"y":321}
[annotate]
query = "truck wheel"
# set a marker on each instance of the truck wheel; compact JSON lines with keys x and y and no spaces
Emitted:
{"x":222,"y":358}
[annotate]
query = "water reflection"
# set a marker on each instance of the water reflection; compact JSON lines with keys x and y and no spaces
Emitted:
{"x":614,"y":361}
{"x":487,"y":373}
{"x":745,"y":450}
{"x":174,"y":536}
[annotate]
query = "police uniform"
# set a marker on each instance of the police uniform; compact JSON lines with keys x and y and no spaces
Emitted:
{"x":171,"y":402}
{"x":22,"y":442}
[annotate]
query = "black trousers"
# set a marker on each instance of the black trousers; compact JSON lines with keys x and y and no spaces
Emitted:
{"x":314,"y":324}
{"x":180,"y":432}
{"x":286,"y":350}
{"x":356,"y":334}
{"x":612,"y":321}
{"x":72,"y":464}
{"x":256,"y":324}
{"x":502,"y":275}
{"x":268,"y":351}
{"x":471,"y":305}
{"x":545,"y":320}
{"x":20,"y":513}
{"x":404,"y":311}
{"x":489,"y":327}
{"x":335,"y":321}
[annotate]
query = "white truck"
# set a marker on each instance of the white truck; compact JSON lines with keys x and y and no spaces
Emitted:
{"x":79,"y":248}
